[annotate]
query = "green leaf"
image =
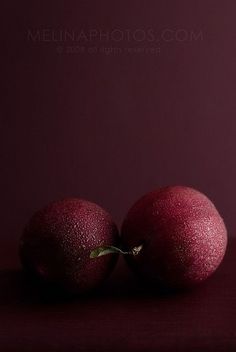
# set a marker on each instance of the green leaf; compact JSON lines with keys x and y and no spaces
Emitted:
{"x":104,"y":250}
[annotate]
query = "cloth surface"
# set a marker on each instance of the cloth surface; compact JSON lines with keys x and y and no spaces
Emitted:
{"x":123,"y":315}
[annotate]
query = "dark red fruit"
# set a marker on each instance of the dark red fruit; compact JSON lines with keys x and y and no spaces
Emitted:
{"x":57,"y":242}
{"x":184,"y":237}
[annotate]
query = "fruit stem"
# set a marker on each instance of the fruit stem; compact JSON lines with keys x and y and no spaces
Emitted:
{"x":104,"y":250}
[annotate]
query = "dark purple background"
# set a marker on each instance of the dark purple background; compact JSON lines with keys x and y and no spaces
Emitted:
{"x":112,"y":127}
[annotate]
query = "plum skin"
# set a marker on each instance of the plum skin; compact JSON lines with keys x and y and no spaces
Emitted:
{"x":184,"y":237}
{"x":56,"y":244}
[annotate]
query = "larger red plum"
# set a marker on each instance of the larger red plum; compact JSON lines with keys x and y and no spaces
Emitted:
{"x":183,"y":236}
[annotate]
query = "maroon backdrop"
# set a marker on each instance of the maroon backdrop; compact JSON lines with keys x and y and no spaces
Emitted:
{"x":108,"y":100}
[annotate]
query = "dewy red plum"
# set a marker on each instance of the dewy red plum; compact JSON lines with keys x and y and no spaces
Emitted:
{"x":57,"y":242}
{"x":182,"y":235}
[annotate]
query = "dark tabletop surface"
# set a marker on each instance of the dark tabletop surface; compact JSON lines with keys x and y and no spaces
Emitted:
{"x":122,"y":315}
